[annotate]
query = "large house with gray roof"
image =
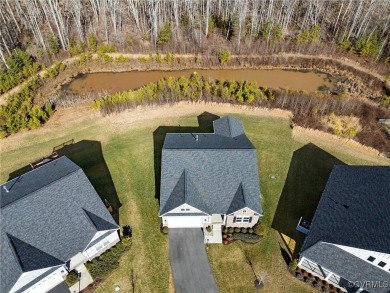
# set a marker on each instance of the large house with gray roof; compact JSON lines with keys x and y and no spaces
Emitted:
{"x":348,"y":244}
{"x":210,"y":180}
{"x":52,"y":222}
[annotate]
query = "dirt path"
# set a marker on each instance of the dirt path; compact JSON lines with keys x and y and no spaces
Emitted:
{"x":344,"y":61}
{"x":82,"y":117}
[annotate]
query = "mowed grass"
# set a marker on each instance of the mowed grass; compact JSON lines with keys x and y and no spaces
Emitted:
{"x":120,"y":165}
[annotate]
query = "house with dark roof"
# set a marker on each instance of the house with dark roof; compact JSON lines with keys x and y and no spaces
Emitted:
{"x":210,"y":180}
{"x":348,"y":244}
{"x":52,"y":222}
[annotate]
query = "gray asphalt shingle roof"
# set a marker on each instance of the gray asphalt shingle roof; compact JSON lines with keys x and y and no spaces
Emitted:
{"x":354,"y":209}
{"x":348,"y":266}
{"x":214,"y":167}
{"x":48,"y":216}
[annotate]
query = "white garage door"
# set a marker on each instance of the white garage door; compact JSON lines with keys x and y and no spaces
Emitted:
{"x":185,"y":222}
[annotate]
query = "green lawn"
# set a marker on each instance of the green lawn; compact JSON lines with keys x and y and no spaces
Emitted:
{"x":121,"y":165}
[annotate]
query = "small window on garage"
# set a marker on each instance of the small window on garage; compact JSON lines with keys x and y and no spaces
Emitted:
{"x":106,"y":242}
{"x":371,"y":258}
{"x":98,"y":246}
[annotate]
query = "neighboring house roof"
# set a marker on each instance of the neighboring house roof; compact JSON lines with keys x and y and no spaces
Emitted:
{"x":354,"y":209}
{"x":207,"y":171}
{"x":48,"y":215}
{"x":347,"y":266}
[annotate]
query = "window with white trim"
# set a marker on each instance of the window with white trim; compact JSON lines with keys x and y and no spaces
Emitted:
{"x":98,"y":246}
{"x":243,"y":219}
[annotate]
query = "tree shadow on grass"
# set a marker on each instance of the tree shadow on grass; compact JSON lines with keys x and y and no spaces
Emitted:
{"x":205,"y":121}
{"x":309,"y":171}
{"x":89,"y":156}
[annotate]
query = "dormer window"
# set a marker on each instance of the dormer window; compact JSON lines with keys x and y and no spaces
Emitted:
{"x":382,"y":264}
{"x":182,"y":210}
{"x":187,"y":210}
{"x":371,"y":258}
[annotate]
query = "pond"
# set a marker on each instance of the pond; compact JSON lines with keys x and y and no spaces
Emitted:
{"x":112,"y":82}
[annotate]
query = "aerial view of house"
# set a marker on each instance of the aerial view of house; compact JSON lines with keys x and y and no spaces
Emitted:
{"x":52,"y":222}
{"x":195,"y":146}
{"x":210,"y":180}
{"x":348,"y":242}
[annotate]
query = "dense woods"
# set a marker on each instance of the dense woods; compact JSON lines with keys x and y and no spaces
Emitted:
{"x":194,"y":25}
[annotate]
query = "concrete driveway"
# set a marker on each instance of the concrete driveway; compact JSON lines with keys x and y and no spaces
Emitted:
{"x":190,"y":265}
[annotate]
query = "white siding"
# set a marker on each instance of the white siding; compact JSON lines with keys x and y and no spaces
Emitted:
{"x":47,"y":283}
{"x":27,"y":277}
{"x":102,"y":245}
{"x":365,"y":254}
{"x":245,"y":212}
{"x":185,"y":208}
{"x":319,"y":271}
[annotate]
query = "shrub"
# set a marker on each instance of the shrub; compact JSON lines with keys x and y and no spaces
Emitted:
{"x":122,"y":59}
{"x":259,"y":229}
{"x":127,"y":231}
{"x":105,"y":57}
{"x":224,"y":56}
{"x":248,"y":238}
{"x":92,"y":43}
{"x":165,"y":34}
{"x":293,"y":264}
{"x":165,"y":230}
{"x":225,"y":230}
{"x":107,"y":48}
{"x":143,"y":60}
{"x":244,"y":230}
{"x":250,"y":230}
{"x":385,"y":100}
{"x":54,"y":70}
{"x":54,"y":44}
{"x":230,"y":230}
{"x":209,"y":229}
{"x":72,"y":278}
{"x":109,"y":260}
{"x":237,"y":229}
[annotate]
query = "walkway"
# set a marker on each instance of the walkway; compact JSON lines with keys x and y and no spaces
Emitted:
{"x":85,"y":280}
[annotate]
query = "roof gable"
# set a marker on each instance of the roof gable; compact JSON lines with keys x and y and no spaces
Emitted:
{"x":184,"y":192}
{"x":99,"y":223}
{"x":228,"y":126}
{"x":238,"y":201}
{"x":354,"y":209}
{"x":31,"y":258}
